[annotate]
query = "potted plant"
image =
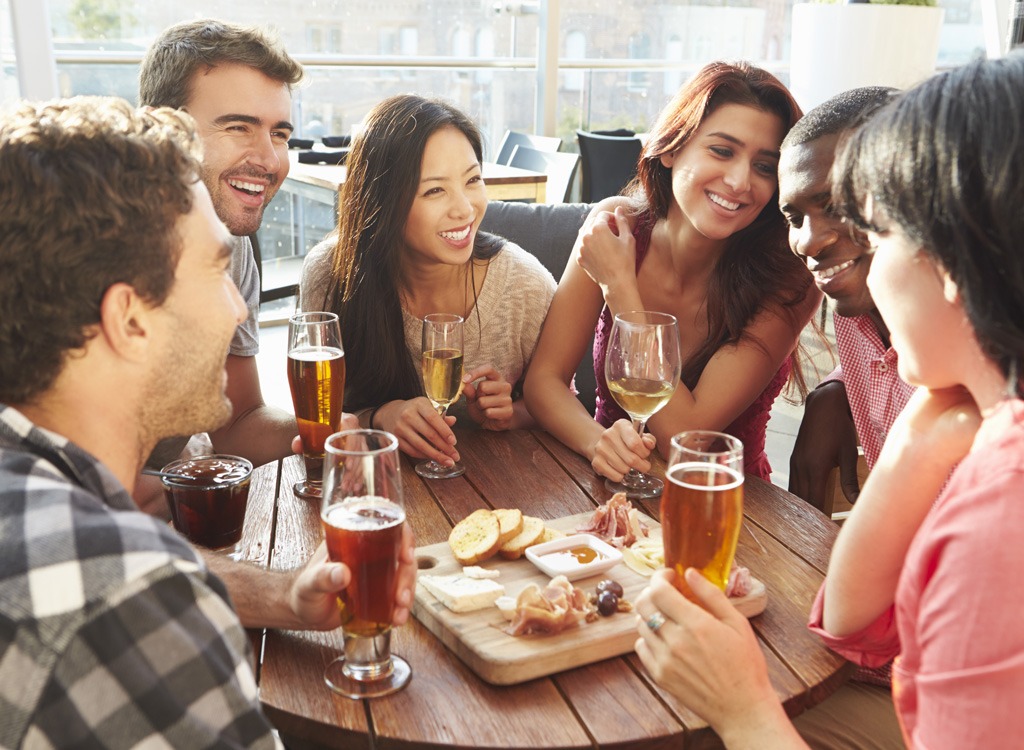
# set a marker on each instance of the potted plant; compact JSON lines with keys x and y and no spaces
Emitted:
{"x":835,"y":47}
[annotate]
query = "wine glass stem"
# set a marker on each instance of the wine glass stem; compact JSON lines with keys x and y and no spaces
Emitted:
{"x":638,"y":425}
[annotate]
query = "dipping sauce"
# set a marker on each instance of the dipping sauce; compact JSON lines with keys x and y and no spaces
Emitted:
{"x":571,"y":557}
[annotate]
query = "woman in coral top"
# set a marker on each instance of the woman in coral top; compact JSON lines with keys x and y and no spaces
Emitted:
{"x":936,"y":179}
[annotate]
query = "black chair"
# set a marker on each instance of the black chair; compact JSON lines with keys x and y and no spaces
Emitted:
{"x":560,"y":169}
{"x":514,"y":138}
{"x":609,"y":163}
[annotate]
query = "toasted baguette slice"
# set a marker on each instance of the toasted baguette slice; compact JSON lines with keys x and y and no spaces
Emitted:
{"x":510,"y":522}
{"x":550,"y":535}
{"x":532,"y":529}
{"x":475,"y":537}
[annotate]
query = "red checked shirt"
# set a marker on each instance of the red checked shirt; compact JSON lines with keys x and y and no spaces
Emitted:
{"x":876,"y":392}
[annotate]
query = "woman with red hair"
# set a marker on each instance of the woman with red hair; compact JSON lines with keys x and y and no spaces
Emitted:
{"x":699,"y":235}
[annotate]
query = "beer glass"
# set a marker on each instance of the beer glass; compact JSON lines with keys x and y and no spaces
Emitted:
{"x":363,"y":515}
{"x":316,"y":375}
{"x":441,"y":368}
{"x":642,"y":367}
{"x":702,"y":509}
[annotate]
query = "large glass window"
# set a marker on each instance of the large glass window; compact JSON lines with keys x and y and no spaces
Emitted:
{"x":8,"y":61}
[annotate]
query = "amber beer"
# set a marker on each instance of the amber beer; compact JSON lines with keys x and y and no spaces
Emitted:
{"x":316,"y":376}
{"x":701,"y":515}
{"x":366,"y":535}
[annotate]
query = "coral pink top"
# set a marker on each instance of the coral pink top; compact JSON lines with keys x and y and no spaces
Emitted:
{"x":749,"y":427}
{"x":955,"y":628}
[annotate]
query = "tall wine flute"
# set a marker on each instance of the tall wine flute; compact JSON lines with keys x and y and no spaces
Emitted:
{"x":642,"y":368}
{"x":442,"y":378}
{"x":363,"y":513}
{"x":316,"y":375}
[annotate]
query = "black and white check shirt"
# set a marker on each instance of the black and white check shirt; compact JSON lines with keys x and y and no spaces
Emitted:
{"x":112,"y":631}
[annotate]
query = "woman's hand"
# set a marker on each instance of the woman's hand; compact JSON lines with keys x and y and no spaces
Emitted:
{"x":620,"y":449}
{"x":489,"y":401}
{"x":608,"y":251}
{"x":707,"y":656}
{"x":421,"y":431}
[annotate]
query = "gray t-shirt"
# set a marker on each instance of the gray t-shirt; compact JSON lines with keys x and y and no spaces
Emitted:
{"x":245,"y":342}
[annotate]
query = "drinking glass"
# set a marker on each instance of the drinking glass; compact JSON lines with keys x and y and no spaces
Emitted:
{"x":642,"y":368}
{"x":363,"y":514}
{"x":207,"y":497}
{"x":316,"y":375}
{"x":442,"y":378}
{"x":702,"y":509}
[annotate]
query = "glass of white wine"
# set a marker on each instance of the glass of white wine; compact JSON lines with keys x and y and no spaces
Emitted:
{"x":442,"y":378}
{"x":642,"y":368}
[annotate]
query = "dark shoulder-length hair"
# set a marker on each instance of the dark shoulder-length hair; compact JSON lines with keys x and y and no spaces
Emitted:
{"x":757,"y":269}
{"x":945,"y":163}
{"x":373,"y":206}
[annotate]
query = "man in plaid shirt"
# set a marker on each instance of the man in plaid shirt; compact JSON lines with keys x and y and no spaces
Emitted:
{"x":115,"y":316}
{"x":858,"y":403}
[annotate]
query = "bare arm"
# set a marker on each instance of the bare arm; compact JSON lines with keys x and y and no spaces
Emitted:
{"x":303,"y":599}
{"x":256,"y":431}
{"x":827,"y":438}
{"x":926,"y":441}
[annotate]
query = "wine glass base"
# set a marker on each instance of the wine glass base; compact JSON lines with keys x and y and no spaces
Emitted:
{"x":308,"y":490}
{"x":650,"y":487}
{"x":392,"y":682}
{"x":435,"y":470}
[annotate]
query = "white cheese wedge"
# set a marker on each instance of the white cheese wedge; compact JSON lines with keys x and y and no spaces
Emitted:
{"x":475,"y":571}
{"x":462,"y":594}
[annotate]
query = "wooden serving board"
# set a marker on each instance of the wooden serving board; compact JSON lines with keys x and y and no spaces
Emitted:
{"x":479,"y":640}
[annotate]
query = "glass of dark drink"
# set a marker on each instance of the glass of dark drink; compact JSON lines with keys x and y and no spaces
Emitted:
{"x":207,"y":496}
{"x":702,"y":508}
{"x":316,"y":375}
{"x":363,"y":517}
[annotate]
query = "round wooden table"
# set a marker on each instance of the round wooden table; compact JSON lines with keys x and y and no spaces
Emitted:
{"x":611,"y":703}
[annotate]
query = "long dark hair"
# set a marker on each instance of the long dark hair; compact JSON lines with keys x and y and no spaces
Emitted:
{"x":757,"y":268}
{"x":945,"y":162}
{"x":373,"y":206}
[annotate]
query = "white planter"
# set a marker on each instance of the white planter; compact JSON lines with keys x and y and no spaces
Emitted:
{"x":838,"y":47}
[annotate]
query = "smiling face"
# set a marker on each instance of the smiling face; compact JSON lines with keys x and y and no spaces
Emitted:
{"x":186,"y":391}
{"x":243,"y":119}
{"x":450,"y":202}
{"x":726,"y":173}
{"x":835,"y":253}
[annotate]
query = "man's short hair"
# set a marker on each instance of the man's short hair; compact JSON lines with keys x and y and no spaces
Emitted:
{"x":842,"y":112}
{"x":170,"y":65}
{"x":91,"y":191}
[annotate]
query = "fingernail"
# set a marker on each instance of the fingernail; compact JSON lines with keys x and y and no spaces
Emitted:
{"x":336,"y":575}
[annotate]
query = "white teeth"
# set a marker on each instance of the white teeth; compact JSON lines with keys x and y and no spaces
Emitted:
{"x":252,"y":187}
{"x":831,"y":271}
{"x":723,"y":202}
{"x":456,"y":236}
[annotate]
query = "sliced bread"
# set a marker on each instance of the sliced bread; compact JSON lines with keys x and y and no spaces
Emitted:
{"x":514,"y":548}
{"x":550,"y":535}
{"x":476,"y":537}
{"x":510,"y":522}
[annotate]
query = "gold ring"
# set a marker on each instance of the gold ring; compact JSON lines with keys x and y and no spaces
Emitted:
{"x":655,"y":621}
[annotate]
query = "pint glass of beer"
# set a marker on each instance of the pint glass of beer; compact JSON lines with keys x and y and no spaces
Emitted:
{"x":702,"y":508}
{"x":363,"y":516}
{"x":316,"y":375}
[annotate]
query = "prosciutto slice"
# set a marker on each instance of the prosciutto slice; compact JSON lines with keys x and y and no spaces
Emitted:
{"x":552,"y":609}
{"x":616,"y":522}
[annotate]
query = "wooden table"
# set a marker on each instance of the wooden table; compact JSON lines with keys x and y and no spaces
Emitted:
{"x":613,"y":703}
{"x":321,"y":183}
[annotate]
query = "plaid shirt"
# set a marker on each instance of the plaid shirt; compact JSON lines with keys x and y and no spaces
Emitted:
{"x":112,"y":632}
{"x":874,"y":388}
